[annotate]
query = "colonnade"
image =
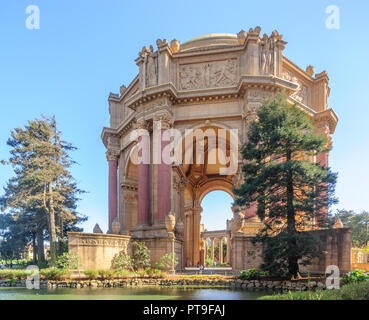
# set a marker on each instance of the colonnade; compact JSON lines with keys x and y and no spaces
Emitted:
{"x":212,"y":242}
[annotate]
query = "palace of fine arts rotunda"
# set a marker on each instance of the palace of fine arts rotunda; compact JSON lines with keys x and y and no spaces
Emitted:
{"x":193,"y":102}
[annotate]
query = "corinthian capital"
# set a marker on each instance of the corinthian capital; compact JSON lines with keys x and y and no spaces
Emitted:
{"x":163,"y":121}
{"x":112,"y":155}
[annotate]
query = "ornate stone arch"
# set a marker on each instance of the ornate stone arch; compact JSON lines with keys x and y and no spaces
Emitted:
{"x":213,"y":185}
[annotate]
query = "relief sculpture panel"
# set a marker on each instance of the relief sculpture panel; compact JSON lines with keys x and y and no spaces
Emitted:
{"x":208,"y":75}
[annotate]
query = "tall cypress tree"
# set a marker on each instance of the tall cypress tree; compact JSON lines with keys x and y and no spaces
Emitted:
{"x":292,"y":192}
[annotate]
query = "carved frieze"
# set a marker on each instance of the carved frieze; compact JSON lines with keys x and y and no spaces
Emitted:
{"x":208,"y":75}
{"x":87,"y":241}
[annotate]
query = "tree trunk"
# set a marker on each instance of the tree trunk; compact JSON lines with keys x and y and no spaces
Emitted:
{"x":293,"y":267}
{"x":34,"y":247}
{"x":60,"y":237}
{"x":40,"y":246}
{"x":52,"y":229}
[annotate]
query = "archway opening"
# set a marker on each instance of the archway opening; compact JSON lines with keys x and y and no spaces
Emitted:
{"x":215,"y":249}
{"x":216,"y":210}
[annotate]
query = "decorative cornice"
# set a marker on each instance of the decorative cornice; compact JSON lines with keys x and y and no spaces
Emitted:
{"x":210,"y":94}
{"x":327,"y":116}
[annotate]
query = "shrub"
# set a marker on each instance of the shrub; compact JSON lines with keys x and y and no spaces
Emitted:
{"x":68,"y":260}
{"x":14,"y":274}
{"x":124,"y":273}
{"x":155,"y":273}
{"x":91,"y":274}
{"x":55,"y":274}
{"x":355,"y":276}
{"x":141,"y":272}
{"x":209,"y":262}
{"x":106,"y":274}
{"x":168,"y":261}
{"x":122,"y":261}
{"x":140,"y":256}
{"x":251,"y":274}
{"x":43,"y":264}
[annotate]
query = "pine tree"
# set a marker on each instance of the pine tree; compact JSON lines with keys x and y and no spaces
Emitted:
{"x":290,"y":190}
{"x":42,"y":187}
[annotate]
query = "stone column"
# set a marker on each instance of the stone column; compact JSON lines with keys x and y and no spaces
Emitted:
{"x":228,"y":250}
{"x":112,"y":157}
{"x":163,"y":180}
{"x":144,"y":176}
{"x":221,"y":250}
{"x":206,"y":249}
{"x":196,"y":233}
{"x":188,"y":236}
{"x":212,"y":248}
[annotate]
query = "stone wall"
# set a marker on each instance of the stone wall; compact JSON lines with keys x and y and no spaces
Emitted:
{"x":96,"y":250}
{"x":158,"y":247}
{"x":335,"y":248}
{"x":182,"y":282}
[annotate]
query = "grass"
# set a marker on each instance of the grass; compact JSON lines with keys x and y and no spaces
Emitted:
{"x":351,"y":291}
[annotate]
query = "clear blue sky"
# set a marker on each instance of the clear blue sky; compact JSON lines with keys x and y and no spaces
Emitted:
{"x":85,"y":49}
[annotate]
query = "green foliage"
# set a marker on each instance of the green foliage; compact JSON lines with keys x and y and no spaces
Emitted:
{"x":355,"y":276}
{"x":14,"y":274}
{"x":168,"y":261}
{"x":43,"y":264}
{"x":68,"y":260}
{"x":122,"y":261}
{"x":358,"y":222}
{"x":155,"y":273}
{"x":55,"y":274}
{"x":140,"y":255}
{"x":209,"y":262}
{"x":91,"y":274}
{"x":106,"y":274}
{"x":290,"y":191}
{"x":40,"y":200}
{"x":141,"y":272}
{"x":352,"y":291}
{"x":124,"y":273}
{"x":252,"y":274}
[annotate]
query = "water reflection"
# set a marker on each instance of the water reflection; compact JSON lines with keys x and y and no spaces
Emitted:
{"x":129,"y":293}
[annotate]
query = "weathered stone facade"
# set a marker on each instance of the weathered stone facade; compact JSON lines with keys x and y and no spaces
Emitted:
{"x":214,"y":82}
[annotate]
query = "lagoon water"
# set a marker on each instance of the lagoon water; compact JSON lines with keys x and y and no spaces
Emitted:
{"x":141,"y":293}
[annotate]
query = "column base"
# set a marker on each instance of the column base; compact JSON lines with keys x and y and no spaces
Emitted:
{"x":148,"y":231}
